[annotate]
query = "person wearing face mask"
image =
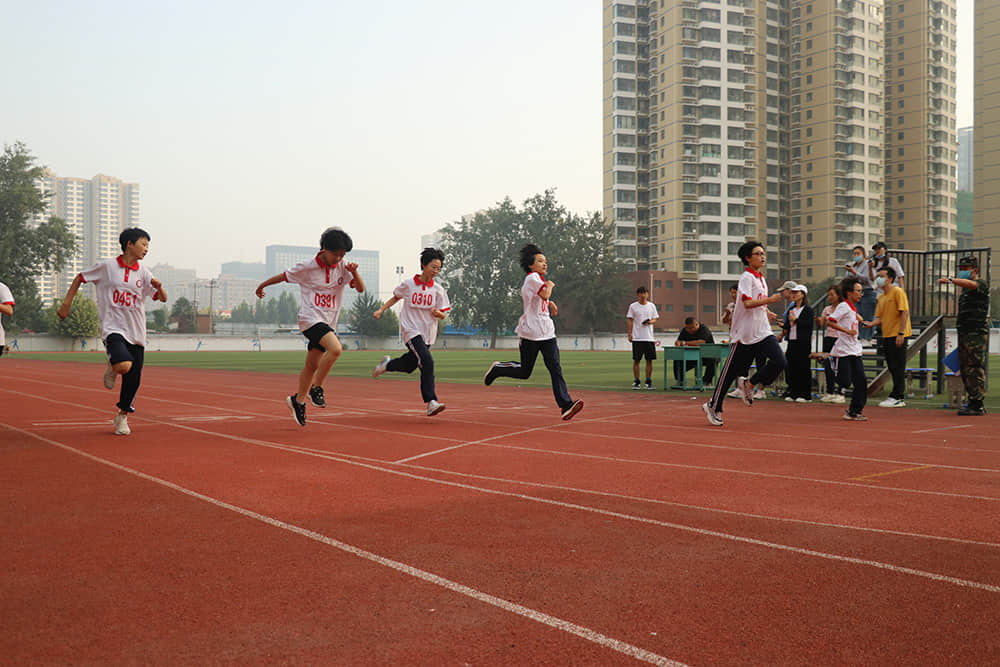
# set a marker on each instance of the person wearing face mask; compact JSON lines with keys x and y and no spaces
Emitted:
{"x":882,"y":259}
{"x":973,"y":326}
{"x":893,"y":314}
{"x":865,"y":273}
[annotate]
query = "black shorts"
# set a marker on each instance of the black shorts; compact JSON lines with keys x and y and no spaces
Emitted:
{"x":643,"y":348}
{"x":120,"y":350}
{"x":315,"y":334}
{"x":2,"y":348}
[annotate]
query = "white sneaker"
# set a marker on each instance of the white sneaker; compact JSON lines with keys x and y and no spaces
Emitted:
{"x":892,"y":403}
{"x":759,"y":395}
{"x":837,"y":398}
{"x":746,"y":390}
{"x":121,"y":425}
{"x":714,"y":418}
{"x":789,"y":399}
{"x":800,"y":399}
{"x":110,"y":376}
{"x":735,"y":393}
{"x":433,"y":407}
{"x":380,"y":367}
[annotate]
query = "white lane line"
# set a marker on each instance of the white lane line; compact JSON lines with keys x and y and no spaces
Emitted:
{"x":70,"y":424}
{"x":943,"y":428}
{"x":532,"y":614}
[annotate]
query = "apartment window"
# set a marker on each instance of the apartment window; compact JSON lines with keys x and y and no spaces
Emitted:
{"x":809,"y":221}
{"x":899,"y":88}
{"x":900,"y":72}
{"x":899,"y":167}
{"x":809,"y":202}
{"x":809,"y":272}
{"x":809,"y":131}
{"x":899,"y":135}
{"x":809,"y":44}
{"x":809,"y":166}
{"x":899,"y":151}
{"x":809,"y":114}
{"x":809,"y":26}
{"x":809,"y":61}
{"x":809,"y":235}
{"x":688,"y":309}
{"x":899,"y":184}
{"x":809,"y":78}
{"x":809,"y":97}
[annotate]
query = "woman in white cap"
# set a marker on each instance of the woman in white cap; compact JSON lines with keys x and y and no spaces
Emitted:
{"x":797,"y":329}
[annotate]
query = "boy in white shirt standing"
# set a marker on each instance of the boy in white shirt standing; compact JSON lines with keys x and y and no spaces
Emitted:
{"x":641,"y":317}
{"x":321,"y":281}
{"x":846,"y":352}
{"x":424,"y":303}
{"x":537,"y":332}
{"x":122,"y":288}
{"x":6,"y":308}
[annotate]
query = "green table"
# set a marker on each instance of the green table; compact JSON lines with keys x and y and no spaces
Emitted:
{"x":696,"y":354}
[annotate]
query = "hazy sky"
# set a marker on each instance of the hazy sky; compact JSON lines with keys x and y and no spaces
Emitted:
{"x":248,"y":125}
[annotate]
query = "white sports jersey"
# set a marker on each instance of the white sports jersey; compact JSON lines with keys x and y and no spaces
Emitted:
{"x":419,"y":299}
{"x":121,"y":298}
{"x":847,"y":345}
{"x":750,"y":325}
{"x":322,"y":289}
{"x":535,"y":323}
{"x":5,"y":298}
{"x":639,"y":314}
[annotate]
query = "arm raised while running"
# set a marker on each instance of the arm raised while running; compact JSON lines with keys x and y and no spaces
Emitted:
{"x":63,"y":311}
{"x":273,"y":280}
{"x":387,"y":305}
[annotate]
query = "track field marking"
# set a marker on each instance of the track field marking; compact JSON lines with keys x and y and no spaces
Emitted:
{"x":512,"y":607}
{"x":104,"y":422}
{"x":584,"y":508}
{"x":893,"y":472}
{"x":943,"y":428}
{"x":212,"y":418}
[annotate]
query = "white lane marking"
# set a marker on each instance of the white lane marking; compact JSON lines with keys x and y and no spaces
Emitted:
{"x":532,"y":614}
{"x":943,"y":428}
{"x":70,"y":424}
{"x":212,"y":418}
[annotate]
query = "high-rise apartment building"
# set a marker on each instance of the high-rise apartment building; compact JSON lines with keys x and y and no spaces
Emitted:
{"x":987,"y":128}
{"x":966,"y":148}
{"x":734,"y":119}
{"x":95,"y":211}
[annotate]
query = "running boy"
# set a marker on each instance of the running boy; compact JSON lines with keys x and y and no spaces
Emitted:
{"x":846,"y":352}
{"x":321,"y":281}
{"x":750,"y":335}
{"x":122,"y":287}
{"x":641,"y":317}
{"x":6,"y":308}
{"x":424,"y":303}
{"x":537,"y":332}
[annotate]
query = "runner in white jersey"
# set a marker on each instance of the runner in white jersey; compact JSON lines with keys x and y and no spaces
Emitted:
{"x":846,"y":352}
{"x":537,"y":332}
{"x":322,"y":281}
{"x":122,"y":288}
{"x":6,"y":308}
{"x":750,"y":335}
{"x":425,"y":302}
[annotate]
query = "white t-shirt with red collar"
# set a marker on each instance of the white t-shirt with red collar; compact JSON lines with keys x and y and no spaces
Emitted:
{"x":750,"y":325}
{"x":322,"y":291}
{"x":419,"y":298}
{"x":536,"y":322}
{"x":847,"y":345}
{"x":6,"y":298}
{"x":121,"y":298}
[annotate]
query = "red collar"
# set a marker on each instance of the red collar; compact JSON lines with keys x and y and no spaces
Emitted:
{"x":758,"y":275}
{"x":121,"y":263}
{"x":325,"y":266}
{"x":417,"y":281}
{"x":851,"y":305}
{"x":540,"y":275}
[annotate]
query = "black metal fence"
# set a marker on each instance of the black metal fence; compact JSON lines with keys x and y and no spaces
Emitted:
{"x":924,"y":268}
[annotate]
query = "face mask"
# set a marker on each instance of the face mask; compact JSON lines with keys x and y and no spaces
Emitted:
{"x":880,"y":281}
{"x":858,"y":259}
{"x":966,"y":275}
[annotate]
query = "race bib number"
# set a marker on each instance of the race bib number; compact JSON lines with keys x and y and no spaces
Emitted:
{"x":124,"y":299}
{"x":422,"y":299}
{"x":324,"y":300}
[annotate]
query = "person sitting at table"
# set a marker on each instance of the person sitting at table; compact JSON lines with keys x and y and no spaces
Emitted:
{"x":694,"y":334}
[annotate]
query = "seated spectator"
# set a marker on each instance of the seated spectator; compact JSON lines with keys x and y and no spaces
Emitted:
{"x":694,"y":334}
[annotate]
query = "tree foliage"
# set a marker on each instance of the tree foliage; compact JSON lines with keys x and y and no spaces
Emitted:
{"x":362,"y":323}
{"x":81,"y":322}
{"x":483,"y":275}
{"x":26,"y":250}
{"x":183,"y":313}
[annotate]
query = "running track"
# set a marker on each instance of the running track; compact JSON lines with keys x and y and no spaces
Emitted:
{"x":220,"y":531}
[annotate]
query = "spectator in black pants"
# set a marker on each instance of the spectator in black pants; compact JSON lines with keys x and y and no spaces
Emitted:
{"x":893,"y":314}
{"x":692,"y":335}
{"x":797,"y":328}
{"x":833,"y":392}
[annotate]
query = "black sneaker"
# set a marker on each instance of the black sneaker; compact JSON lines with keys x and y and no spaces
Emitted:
{"x":491,"y":374}
{"x":298,"y":410}
{"x":972,"y":410}
{"x":573,"y":408}
{"x":316,"y":396}
{"x":636,"y":385}
{"x":649,"y":384}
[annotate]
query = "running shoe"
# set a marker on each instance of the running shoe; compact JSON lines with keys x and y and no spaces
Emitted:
{"x":381,"y":367}
{"x":121,"y":424}
{"x":298,"y":410}
{"x":109,"y":376}
{"x":851,"y":417}
{"x":746,"y":390}
{"x":714,"y":418}
{"x":973,"y":409}
{"x":636,"y":385}
{"x":316,"y":396}
{"x":801,"y":399}
{"x":490,"y":374}
{"x":892,"y":403}
{"x":433,"y":407}
{"x":574,"y":408}
{"x":735,"y":393}
{"x":649,"y":384}
{"x":759,"y":395}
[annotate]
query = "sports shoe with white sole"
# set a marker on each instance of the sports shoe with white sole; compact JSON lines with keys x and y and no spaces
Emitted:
{"x":381,"y":367}
{"x":735,"y":393}
{"x":109,"y":377}
{"x":746,"y":390}
{"x":636,"y":385}
{"x":802,"y":399}
{"x":648,"y":385}
{"x":892,"y":403}
{"x":490,"y":377}
{"x":433,"y":407}
{"x":574,"y":408}
{"x":835,"y":398}
{"x":298,"y":410}
{"x":713,"y":417}
{"x":851,"y":417}
{"x":316,"y":397}
{"x":121,"y":425}
{"x":759,"y":395}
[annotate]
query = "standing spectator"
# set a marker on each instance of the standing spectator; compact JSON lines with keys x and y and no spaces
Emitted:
{"x":798,"y":328}
{"x":865,"y":273}
{"x":882,"y":259}
{"x":973,"y":326}
{"x":893,"y":314}
{"x":694,"y":334}
{"x":6,"y":308}
{"x":847,"y":351}
{"x":641,"y":317}
{"x":833,"y":392}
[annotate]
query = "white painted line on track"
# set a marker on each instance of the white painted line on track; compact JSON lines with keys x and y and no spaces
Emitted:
{"x":943,"y":428}
{"x":532,"y":614}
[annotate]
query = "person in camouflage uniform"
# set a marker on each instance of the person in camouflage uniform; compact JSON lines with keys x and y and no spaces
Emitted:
{"x":973,"y":331}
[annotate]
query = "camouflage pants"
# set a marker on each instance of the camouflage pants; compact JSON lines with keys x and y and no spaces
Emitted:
{"x":971,"y":349}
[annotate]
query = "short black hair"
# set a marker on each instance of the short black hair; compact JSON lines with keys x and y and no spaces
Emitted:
{"x":335,"y":238}
{"x":879,"y":244}
{"x":847,"y":285}
{"x":429,"y":255}
{"x":734,"y":286}
{"x":528,"y":253}
{"x":837,"y":289}
{"x":641,"y":290}
{"x":689,"y":320}
{"x":746,"y":250}
{"x":889,"y":271}
{"x":131,"y":235}
{"x":858,"y":247}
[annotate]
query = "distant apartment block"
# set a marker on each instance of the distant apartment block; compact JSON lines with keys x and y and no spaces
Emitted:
{"x":966,"y":153}
{"x":986,"y":181}
{"x":281,"y":257}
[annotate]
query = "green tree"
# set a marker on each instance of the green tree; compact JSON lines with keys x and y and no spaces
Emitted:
{"x":481,"y":265}
{"x":183,"y":313}
{"x":288,"y":309}
{"x":81,"y":322}
{"x":26,"y":250}
{"x":160,"y":319}
{"x":362,"y":323}
{"x":242,"y":313}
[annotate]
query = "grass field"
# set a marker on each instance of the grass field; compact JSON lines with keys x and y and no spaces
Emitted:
{"x":584,"y":371}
